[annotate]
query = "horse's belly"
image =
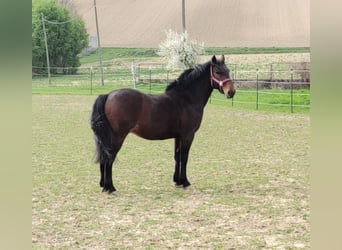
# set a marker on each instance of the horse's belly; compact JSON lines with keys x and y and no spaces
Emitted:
{"x":151,"y":133}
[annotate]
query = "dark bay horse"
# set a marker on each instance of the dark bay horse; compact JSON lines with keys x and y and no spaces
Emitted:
{"x":177,"y":113}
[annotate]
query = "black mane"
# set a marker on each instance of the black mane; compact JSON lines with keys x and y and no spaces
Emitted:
{"x":188,"y":77}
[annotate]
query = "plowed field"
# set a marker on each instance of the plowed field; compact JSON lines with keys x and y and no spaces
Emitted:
{"x":217,"y":23}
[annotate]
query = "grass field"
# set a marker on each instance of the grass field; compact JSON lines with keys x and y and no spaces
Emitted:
{"x":112,"y":53}
{"x":278,"y":100}
{"x":249,"y":172}
{"x":270,"y":62}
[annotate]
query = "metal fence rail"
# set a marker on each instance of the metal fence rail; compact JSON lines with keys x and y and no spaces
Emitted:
{"x":255,"y":87}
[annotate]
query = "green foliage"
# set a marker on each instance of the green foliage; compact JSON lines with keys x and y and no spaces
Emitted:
{"x":65,"y":41}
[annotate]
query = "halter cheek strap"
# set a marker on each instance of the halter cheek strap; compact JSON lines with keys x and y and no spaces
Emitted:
{"x":219,"y":82}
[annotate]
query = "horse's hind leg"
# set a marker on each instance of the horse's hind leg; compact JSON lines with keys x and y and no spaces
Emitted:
{"x":102,"y":175}
{"x":107,"y":176}
{"x":107,"y":165}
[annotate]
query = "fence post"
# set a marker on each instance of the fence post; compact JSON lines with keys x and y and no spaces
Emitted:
{"x":150,"y":79}
{"x":133,"y":71}
{"x":46,"y":49}
{"x":257,"y":90}
{"x":291,"y":90}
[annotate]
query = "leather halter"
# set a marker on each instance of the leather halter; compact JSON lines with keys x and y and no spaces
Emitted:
{"x":219,"y":82}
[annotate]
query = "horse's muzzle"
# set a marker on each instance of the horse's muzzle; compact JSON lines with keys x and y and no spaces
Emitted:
{"x":230,"y":94}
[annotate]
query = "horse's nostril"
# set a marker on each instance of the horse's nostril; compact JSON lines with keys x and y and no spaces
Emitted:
{"x":231,"y":93}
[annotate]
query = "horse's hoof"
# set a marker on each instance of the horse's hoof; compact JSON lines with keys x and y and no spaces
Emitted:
{"x":182,"y":185}
{"x":108,"y":190}
{"x":111,"y":190}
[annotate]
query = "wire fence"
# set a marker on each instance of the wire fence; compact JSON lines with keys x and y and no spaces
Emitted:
{"x":273,"y":86}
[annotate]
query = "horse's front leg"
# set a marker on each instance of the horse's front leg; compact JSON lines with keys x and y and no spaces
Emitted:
{"x":185,"y":145}
{"x":176,"y":175}
{"x":102,"y":175}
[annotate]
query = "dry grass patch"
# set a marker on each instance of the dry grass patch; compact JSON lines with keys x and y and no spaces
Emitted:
{"x":249,"y":173}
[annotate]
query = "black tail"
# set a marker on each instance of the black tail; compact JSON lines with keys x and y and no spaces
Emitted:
{"x":102,"y":130}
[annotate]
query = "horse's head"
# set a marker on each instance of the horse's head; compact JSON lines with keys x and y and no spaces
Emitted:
{"x":219,"y":77}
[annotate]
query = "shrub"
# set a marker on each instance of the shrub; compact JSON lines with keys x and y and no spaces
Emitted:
{"x":180,"y":51}
{"x":66,"y":35}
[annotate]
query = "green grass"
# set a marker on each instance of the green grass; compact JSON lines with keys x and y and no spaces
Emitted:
{"x":273,"y":99}
{"x":278,"y":100}
{"x":117,"y":53}
{"x":249,"y":172}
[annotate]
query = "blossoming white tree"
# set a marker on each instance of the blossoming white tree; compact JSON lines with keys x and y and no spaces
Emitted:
{"x":179,"y":51}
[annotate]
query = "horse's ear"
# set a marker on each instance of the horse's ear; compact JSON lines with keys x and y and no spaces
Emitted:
{"x":222,"y":58}
{"x":213,"y":60}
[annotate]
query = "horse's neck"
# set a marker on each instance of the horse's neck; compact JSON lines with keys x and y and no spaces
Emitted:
{"x":203,"y":91}
{"x":197,"y":95}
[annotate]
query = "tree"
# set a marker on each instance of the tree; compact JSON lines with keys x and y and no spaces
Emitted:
{"x":66,"y":36}
{"x":180,"y":51}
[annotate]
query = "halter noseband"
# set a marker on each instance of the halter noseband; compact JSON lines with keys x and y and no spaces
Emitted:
{"x":219,"y":82}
